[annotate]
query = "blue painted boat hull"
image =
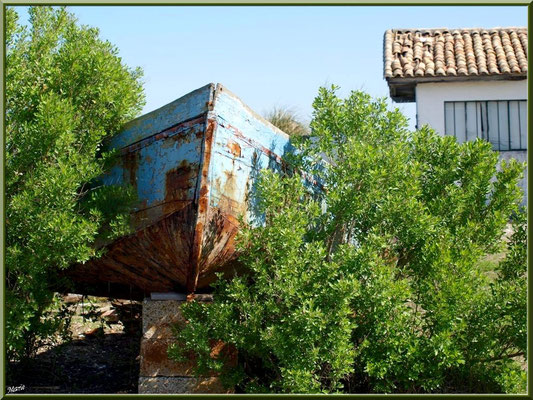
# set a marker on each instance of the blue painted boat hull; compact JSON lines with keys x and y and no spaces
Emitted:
{"x":192,"y":163}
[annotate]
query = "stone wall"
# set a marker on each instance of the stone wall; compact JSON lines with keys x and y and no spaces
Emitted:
{"x":159,"y":374}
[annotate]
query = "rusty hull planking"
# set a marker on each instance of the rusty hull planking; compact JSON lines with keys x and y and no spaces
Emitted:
{"x":243,"y":144}
{"x":193,"y":163}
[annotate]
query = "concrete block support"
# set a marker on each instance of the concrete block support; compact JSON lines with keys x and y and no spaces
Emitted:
{"x":159,"y":374}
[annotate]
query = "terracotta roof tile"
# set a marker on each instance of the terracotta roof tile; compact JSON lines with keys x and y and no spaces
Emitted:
{"x":458,"y":52}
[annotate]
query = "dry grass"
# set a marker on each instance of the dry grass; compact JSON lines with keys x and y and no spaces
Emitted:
{"x":288,"y":121}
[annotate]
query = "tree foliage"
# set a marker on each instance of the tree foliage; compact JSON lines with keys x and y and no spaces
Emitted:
{"x":66,"y":91}
{"x":376,"y":286}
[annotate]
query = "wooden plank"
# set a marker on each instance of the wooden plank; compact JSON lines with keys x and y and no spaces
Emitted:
{"x":186,"y":107}
{"x":192,"y":178}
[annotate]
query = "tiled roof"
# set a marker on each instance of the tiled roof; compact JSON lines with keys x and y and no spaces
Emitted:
{"x":422,"y":53}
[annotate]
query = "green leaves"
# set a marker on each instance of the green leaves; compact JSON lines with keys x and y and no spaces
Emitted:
{"x":289,"y":314}
{"x":377,"y":285}
{"x":66,"y":90}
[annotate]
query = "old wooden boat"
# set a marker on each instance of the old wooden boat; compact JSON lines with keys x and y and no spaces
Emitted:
{"x":192,"y":163}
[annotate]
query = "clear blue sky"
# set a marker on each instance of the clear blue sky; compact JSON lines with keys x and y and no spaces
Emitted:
{"x":271,"y":56}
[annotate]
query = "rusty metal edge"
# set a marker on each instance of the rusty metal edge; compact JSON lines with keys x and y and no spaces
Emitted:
{"x":202,"y":197}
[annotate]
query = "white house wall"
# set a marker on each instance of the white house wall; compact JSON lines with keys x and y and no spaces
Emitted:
{"x":430,"y":98}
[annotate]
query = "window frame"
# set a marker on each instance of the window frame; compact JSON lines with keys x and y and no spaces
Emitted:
{"x":484,"y":133}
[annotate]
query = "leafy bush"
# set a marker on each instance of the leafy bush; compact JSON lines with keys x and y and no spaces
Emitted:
{"x":290,"y":317}
{"x":379,"y":290}
{"x":66,"y":91}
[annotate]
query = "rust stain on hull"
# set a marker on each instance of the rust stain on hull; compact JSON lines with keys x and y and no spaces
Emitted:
{"x":130,"y":164}
{"x":203,"y":204}
{"x":269,"y":153}
{"x":192,"y":188}
{"x":178,"y":182}
{"x":155,"y":259}
{"x":234,"y":148}
{"x":219,"y":246}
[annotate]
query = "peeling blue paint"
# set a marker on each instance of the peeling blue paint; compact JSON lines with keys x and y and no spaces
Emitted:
{"x":192,"y":163}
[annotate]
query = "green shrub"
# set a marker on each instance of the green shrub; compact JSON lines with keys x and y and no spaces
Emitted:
{"x":66,"y":91}
{"x":380,"y":290}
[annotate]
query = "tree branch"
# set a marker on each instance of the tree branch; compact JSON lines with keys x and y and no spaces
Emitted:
{"x":518,"y":353}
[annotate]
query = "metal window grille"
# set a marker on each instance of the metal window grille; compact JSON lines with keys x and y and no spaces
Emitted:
{"x":503,"y":122}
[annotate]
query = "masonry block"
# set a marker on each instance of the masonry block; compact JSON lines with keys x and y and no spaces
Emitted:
{"x":158,"y":373}
{"x":177,"y":385}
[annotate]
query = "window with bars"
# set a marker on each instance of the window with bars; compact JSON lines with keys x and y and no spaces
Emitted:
{"x":503,"y":123}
